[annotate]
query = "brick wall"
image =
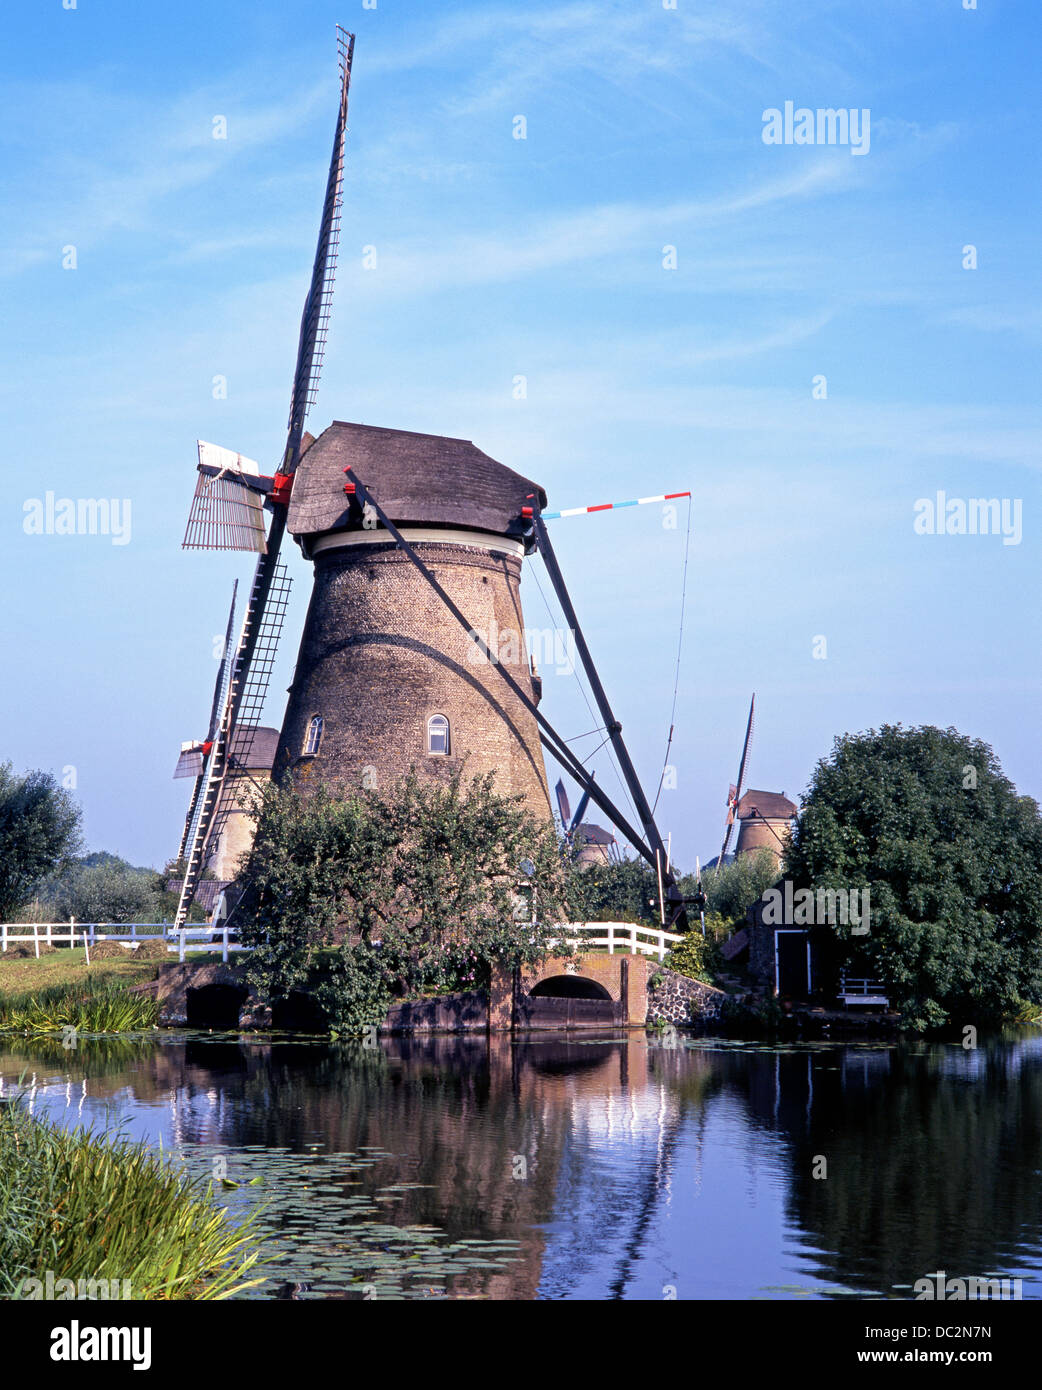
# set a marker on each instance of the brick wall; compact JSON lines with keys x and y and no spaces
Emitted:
{"x":380,"y":654}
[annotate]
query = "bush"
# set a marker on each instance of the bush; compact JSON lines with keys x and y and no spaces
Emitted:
{"x":691,"y":957}
{"x":622,"y":892}
{"x":371,"y":896}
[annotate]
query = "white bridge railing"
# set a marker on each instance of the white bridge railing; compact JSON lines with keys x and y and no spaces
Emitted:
{"x":629,"y":938}
{"x":129,"y":934}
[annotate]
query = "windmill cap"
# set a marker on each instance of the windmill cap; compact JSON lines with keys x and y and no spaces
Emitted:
{"x":770,"y":805}
{"x":418,"y":479}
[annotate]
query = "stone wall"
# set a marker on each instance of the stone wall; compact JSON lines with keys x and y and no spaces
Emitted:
{"x":675,"y":999}
{"x":173,"y":983}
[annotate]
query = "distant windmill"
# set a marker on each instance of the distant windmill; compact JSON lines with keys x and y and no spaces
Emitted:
{"x":568,"y":821}
{"x":594,"y":844}
{"x":227,"y":514}
{"x":735,"y":793}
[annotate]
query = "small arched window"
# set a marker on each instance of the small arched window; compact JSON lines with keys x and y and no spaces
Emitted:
{"x":314,"y":737}
{"x":437,"y":734}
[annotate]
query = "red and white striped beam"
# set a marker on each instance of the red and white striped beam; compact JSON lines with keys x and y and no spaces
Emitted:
{"x":613,"y":506}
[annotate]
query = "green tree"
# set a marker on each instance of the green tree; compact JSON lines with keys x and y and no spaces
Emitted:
{"x":626,"y":891}
{"x":952,"y":855}
{"x":110,"y":891}
{"x":732,"y":888}
{"x":411,"y":891}
{"x":39,"y":830}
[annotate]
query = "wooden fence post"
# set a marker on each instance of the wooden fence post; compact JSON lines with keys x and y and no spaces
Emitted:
{"x":36,"y":940}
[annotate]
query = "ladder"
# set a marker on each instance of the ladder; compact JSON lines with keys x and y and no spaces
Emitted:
{"x":233,"y":745}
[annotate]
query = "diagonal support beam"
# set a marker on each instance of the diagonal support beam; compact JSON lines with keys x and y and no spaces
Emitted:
{"x":660,"y":858}
{"x":549,"y":735}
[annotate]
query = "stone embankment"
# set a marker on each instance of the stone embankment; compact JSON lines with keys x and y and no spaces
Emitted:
{"x":676,"y":999}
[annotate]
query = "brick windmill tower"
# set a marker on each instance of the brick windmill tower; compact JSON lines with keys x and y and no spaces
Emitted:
{"x":386,"y":680}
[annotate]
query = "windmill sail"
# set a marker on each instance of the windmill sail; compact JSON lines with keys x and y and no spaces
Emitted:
{"x":192,"y":762}
{"x":225,"y":516}
{"x":563,"y":806}
{"x":265,"y":611}
{"x":735,"y":792}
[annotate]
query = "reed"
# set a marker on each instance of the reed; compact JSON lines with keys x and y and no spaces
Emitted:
{"x":91,"y":1208}
{"x":88,"y":1007}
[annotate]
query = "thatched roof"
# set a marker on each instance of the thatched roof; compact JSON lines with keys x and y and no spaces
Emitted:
{"x":769,"y":805}
{"x":260,"y":754}
{"x":418,"y":479}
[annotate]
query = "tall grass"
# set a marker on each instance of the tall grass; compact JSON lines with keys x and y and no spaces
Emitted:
{"x":90,"y":1208}
{"x":88,"y":1007}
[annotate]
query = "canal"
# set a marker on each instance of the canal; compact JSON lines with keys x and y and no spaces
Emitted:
{"x":614,"y":1167}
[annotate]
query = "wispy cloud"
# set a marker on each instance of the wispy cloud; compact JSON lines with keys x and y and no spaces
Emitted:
{"x":409,"y":267}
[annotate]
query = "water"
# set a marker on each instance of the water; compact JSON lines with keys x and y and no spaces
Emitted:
{"x":599,"y":1168}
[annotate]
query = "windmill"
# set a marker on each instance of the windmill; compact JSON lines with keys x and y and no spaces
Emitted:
{"x":227,"y":514}
{"x":592,"y":843}
{"x":735,"y":793}
{"x":391,"y":669}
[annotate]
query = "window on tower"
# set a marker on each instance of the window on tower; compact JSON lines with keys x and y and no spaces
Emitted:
{"x":437,"y":734}
{"x":314,"y":737}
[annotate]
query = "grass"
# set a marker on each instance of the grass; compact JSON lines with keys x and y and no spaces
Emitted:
{"x":29,"y":976}
{"x":60,"y":991}
{"x":89,"y":1208}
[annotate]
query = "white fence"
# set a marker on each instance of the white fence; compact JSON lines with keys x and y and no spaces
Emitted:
{"x":860,"y":989}
{"x":129,"y":934}
{"x":627,"y":937}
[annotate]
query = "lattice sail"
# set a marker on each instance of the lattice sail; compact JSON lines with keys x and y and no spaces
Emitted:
{"x":225,"y":515}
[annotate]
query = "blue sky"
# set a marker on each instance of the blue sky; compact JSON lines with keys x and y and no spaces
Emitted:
{"x":541,"y":257}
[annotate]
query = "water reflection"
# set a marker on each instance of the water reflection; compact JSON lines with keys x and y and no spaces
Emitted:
{"x":621,"y":1167}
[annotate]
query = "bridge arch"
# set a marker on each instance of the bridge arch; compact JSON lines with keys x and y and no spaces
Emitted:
{"x":568,"y":986}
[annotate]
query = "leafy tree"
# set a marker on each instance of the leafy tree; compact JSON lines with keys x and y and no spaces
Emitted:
{"x":626,"y":891}
{"x":39,"y":830}
{"x":111,"y":891}
{"x":952,"y":855}
{"x":399,"y":893}
{"x":732,"y":888}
